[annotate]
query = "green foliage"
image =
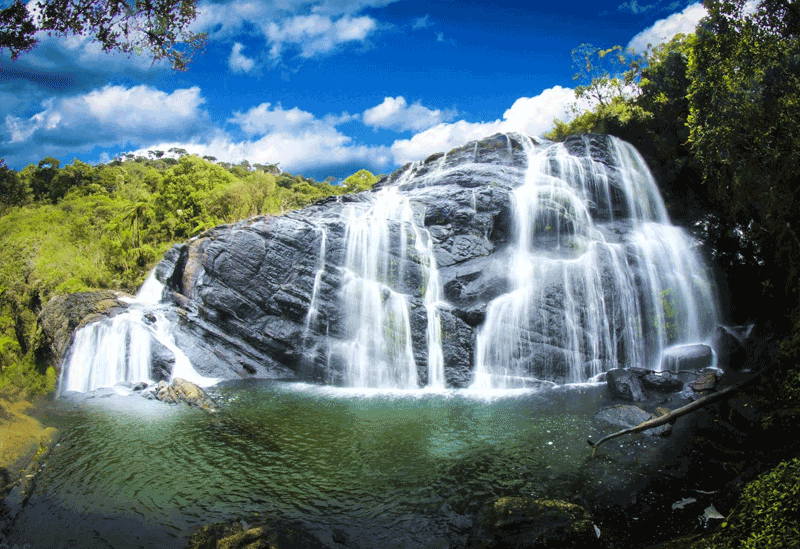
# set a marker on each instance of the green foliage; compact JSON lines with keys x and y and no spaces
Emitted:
{"x":744,"y":123}
{"x":13,"y":191}
{"x":767,"y":514}
{"x":362,"y":180}
{"x":159,"y":27}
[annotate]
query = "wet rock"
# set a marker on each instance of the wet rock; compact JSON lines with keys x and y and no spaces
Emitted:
{"x":624,"y":384}
{"x":706,"y":382}
{"x":182,"y":391}
{"x":626,"y":417}
{"x":730,"y":345}
{"x":691,"y":358}
{"x":526,"y":523}
{"x":662,"y":382}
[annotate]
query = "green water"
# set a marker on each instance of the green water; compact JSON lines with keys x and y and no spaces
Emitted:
{"x":389,"y":469}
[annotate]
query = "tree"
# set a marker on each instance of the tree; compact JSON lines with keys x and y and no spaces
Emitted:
{"x":744,"y":124}
{"x":13,"y":191}
{"x":362,"y":180}
{"x":610,"y":74}
{"x":159,"y":28}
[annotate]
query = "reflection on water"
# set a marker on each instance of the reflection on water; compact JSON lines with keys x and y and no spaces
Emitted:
{"x":393,"y":469}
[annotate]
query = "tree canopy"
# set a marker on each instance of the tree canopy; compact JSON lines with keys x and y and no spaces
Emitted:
{"x":157,"y":28}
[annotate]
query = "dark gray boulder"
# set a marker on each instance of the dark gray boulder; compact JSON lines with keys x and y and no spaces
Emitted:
{"x":691,"y":358}
{"x":625,"y":384}
{"x":626,"y":416}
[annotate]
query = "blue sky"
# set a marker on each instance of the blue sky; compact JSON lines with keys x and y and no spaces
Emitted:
{"x":321,"y":88}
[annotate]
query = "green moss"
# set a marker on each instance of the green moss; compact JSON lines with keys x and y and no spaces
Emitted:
{"x":767,"y":515}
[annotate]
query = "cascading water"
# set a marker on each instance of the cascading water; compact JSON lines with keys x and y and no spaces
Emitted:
{"x":120,"y":349}
{"x":377,"y":349}
{"x":585,"y":297}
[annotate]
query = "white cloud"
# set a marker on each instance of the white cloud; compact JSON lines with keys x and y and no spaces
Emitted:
{"x":315,"y":34}
{"x":634,"y":7}
{"x":264,"y":119}
{"x":531,"y":115}
{"x":664,"y":29}
{"x":238,"y":62}
{"x":318,"y":147}
{"x":396,"y":114}
{"x":112,"y":113}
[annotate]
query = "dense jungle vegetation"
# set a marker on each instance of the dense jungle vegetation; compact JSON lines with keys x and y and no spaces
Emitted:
{"x":80,"y":227}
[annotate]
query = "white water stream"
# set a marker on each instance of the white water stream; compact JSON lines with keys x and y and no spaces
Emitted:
{"x":584,"y":300}
{"x":120,"y":348}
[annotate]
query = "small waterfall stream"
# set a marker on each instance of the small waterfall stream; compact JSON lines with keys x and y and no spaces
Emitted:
{"x":120,"y":349}
{"x":377,"y":349}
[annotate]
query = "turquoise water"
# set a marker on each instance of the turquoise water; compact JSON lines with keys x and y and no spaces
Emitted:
{"x":400,"y":469}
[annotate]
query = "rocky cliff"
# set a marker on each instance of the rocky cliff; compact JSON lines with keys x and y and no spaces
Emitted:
{"x":268,"y":297}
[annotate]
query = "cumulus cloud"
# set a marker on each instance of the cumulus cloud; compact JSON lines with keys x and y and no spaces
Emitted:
{"x":316,"y":34}
{"x":296,"y":139}
{"x":664,"y":29}
{"x":238,"y":62}
{"x":318,"y":147}
{"x":264,"y":118}
{"x":531,"y":115}
{"x":109,"y":116}
{"x":396,"y":114}
{"x":633,"y":7}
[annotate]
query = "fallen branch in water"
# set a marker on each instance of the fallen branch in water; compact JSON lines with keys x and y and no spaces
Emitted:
{"x":675,"y":414}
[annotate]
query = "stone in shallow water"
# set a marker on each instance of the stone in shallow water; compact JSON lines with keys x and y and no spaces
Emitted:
{"x":626,"y":417}
{"x":691,"y":358}
{"x":527,"y":523}
{"x":624,"y":384}
{"x":182,"y":390}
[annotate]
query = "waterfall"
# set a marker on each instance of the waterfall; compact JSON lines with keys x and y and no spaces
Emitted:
{"x":587,"y":296}
{"x":121,"y":348}
{"x":384,"y":250}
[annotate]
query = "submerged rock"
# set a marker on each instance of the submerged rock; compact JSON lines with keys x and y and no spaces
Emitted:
{"x":527,"y":523}
{"x":239,"y":534}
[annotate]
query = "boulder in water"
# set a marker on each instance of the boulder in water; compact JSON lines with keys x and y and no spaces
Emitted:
{"x":692,"y":358}
{"x":185,"y":391}
{"x":625,"y":384}
{"x":527,"y":523}
{"x":627,"y":416}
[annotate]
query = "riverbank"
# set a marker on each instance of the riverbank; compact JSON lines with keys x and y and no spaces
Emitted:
{"x":24,"y":443}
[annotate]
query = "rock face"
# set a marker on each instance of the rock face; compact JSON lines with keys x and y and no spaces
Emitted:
{"x":405,"y":274}
{"x":62,"y":315}
{"x":502,"y":264}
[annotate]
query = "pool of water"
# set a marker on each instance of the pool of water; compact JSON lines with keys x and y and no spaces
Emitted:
{"x":399,"y":469}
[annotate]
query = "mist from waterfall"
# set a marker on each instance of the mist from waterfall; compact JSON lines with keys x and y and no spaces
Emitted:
{"x":599,"y":277}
